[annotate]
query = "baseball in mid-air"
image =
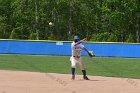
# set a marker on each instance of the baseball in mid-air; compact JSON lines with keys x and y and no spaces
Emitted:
{"x":50,"y":23}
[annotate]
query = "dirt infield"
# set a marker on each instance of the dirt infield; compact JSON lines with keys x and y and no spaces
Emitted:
{"x":33,"y":82}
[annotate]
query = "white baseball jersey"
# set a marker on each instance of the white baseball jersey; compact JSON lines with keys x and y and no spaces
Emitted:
{"x":76,"y":50}
{"x":76,"y":53}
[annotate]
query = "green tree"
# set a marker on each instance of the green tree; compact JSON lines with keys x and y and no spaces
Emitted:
{"x":117,"y":19}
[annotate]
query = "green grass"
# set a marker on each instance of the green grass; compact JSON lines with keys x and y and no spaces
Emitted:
{"x":100,"y":66}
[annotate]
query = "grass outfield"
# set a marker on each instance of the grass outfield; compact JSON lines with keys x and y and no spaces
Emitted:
{"x":100,"y":66}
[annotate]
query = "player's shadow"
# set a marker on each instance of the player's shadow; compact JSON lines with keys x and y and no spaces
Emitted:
{"x":90,"y":80}
{"x":96,"y":80}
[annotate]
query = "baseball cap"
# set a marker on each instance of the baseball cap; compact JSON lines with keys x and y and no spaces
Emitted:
{"x":76,"y":37}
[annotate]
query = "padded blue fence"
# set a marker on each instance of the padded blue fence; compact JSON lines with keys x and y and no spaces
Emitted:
{"x":64,"y":48}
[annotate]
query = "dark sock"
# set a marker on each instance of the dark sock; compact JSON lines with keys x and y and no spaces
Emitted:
{"x":84,"y":72}
{"x":73,"y":71}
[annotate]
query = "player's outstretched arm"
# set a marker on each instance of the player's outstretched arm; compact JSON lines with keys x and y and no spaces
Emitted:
{"x":90,"y":53}
{"x":86,"y":50}
{"x":83,"y":40}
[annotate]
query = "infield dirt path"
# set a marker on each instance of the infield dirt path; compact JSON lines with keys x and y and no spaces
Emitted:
{"x":34,"y":82}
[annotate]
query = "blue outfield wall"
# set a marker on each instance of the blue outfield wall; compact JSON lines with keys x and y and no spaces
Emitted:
{"x":64,"y":48}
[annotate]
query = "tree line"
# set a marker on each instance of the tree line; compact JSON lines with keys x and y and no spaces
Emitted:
{"x":98,"y":20}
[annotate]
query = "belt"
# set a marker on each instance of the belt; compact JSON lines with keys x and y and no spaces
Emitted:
{"x":77,"y":56}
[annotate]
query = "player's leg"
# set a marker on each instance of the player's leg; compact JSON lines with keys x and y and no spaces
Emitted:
{"x":83,"y":69}
{"x":73,"y":73}
{"x":73,"y":66}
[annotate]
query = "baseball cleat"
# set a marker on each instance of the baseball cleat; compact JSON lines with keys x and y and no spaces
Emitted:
{"x":73,"y":77}
{"x":85,"y":78}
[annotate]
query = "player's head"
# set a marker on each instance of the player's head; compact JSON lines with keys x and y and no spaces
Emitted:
{"x":76,"y":38}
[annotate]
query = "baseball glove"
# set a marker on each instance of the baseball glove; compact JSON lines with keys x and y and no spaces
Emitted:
{"x":91,"y":54}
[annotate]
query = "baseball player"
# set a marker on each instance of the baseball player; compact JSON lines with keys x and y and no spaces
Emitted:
{"x":76,"y":57}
